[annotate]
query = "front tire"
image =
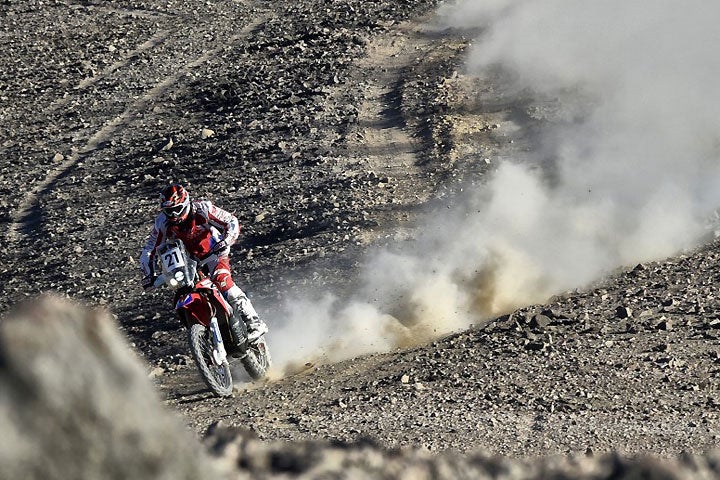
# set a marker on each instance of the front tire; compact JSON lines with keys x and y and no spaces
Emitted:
{"x":217,"y":377}
{"x":257,"y":361}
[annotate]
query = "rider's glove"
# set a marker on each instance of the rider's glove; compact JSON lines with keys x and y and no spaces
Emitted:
{"x":148,"y":281}
{"x":221,"y":248}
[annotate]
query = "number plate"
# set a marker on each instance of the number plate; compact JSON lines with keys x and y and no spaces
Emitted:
{"x":172,"y":259}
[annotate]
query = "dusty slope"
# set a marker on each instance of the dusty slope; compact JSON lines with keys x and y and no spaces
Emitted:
{"x":330,"y":126}
{"x":567,"y":377}
{"x":270,"y":79}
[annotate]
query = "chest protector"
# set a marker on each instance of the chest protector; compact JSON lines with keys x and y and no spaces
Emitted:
{"x":197,"y":234}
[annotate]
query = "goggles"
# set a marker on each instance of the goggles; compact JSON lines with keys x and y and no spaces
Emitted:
{"x":174,"y":211}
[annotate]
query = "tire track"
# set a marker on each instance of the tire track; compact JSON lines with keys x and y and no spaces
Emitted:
{"x":28,"y":214}
{"x":153,"y":42}
{"x":386,"y":138}
{"x":134,"y":12}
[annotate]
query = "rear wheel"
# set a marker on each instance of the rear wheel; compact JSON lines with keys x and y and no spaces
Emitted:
{"x":217,"y":377}
{"x":257,"y":361}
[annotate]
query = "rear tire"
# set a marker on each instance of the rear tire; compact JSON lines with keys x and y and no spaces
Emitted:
{"x":217,"y":378}
{"x":257,"y":361}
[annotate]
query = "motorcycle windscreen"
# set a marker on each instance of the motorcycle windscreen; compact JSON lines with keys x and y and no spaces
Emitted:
{"x":194,"y":309}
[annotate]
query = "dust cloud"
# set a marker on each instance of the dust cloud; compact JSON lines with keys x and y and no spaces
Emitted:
{"x":634,"y":174}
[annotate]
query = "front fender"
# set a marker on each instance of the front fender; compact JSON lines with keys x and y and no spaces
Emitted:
{"x":208,"y":287}
{"x":194,"y":308}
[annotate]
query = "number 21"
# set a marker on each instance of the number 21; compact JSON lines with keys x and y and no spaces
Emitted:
{"x":171,"y":258}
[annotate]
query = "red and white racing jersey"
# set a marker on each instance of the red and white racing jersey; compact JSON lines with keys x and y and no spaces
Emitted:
{"x":205,"y":226}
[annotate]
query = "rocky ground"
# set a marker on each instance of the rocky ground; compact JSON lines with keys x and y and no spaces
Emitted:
{"x":74,"y":392}
{"x":327,"y":127}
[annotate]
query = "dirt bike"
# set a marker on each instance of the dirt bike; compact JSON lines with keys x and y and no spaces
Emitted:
{"x":205,"y":313}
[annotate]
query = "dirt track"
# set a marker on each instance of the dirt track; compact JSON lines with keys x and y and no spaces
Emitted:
{"x":332,"y":129}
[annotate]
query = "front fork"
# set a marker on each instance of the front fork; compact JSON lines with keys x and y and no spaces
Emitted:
{"x":219,"y":354}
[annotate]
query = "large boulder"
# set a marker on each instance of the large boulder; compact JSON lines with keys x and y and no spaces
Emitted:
{"x":76,"y":403}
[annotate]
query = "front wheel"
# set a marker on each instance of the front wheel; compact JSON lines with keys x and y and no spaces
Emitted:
{"x":257,"y":361}
{"x":217,"y":377}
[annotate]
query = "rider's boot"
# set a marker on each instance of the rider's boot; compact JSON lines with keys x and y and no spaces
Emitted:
{"x":243,"y":308}
{"x":237,"y":329}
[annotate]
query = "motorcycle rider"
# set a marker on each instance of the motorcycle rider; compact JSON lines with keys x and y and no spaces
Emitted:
{"x":205,"y":230}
